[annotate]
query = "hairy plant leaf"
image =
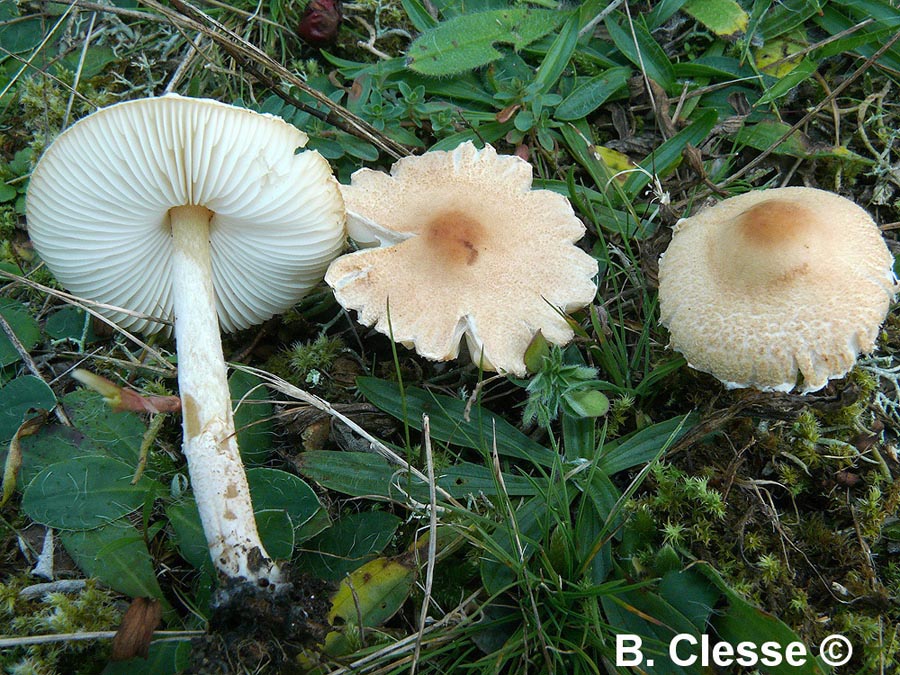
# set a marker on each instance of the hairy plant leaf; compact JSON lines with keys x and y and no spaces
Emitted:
{"x":590,"y":95}
{"x":117,"y":555}
{"x":448,"y":424}
{"x":725,"y":18}
{"x":252,"y":416}
{"x":350,"y":542}
{"x":84,"y":493}
{"x":287,"y":510}
{"x":119,"y":433}
{"x":23,"y":325}
{"x":17,"y":398}
{"x":467,"y":41}
{"x":642,"y":50}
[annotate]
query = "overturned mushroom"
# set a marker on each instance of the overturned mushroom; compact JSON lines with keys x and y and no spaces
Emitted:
{"x":777,"y":288}
{"x":467,"y":249}
{"x":202,"y":212}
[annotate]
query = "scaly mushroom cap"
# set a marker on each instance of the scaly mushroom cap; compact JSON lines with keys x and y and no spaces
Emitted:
{"x":468,"y":248}
{"x":774,"y":283}
{"x":99,"y":199}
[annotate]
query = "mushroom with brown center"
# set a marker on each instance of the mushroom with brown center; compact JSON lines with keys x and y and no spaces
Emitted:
{"x":467,"y":248}
{"x":776,"y":288}
{"x":204,"y":213}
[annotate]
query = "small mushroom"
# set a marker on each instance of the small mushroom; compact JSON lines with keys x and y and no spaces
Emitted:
{"x":202,"y":213}
{"x":776,"y":288}
{"x":467,"y":248}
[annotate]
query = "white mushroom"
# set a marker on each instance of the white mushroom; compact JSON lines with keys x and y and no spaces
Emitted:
{"x":467,"y":249}
{"x":202,"y":213}
{"x":774,"y":285}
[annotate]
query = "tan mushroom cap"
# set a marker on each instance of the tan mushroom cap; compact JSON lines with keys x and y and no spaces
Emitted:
{"x":775,"y":284}
{"x":468,"y":249}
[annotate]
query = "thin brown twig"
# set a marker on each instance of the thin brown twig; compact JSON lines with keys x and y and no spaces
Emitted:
{"x":260,"y":64}
{"x":31,"y":365}
{"x":837,"y":91}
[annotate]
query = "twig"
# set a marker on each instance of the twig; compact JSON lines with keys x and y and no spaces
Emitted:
{"x":259,"y":64}
{"x":808,"y":116}
{"x":31,"y":365}
{"x":159,"y":636}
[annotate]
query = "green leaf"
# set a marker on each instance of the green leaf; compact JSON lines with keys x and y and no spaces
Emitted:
{"x":17,"y":398}
{"x":19,"y":34}
{"x":466,"y":42}
{"x":69,"y":323}
{"x":252,"y":416}
{"x":120,"y":434}
{"x":643,"y":51}
{"x":725,"y":18}
{"x":643,"y":446}
{"x":117,"y":555}
{"x":668,"y":154}
{"x":788,"y":81}
{"x":23,"y":325}
{"x":162,"y":658}
{"x":418,"y":15}
{"x":448,"y":424}
{"x":287,"y":510}
{"x":590,"y":95}
{"x":7,"y":193}
{"x":349,"y":543}
{"x":740,"y":621}
{"x":587,"y":403}
{"x":373,"y":593}
{"x":188,"y":533}
{"x":557,"y":57}
{"x":84,"y":493}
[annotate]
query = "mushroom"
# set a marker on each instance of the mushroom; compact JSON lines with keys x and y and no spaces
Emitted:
{"x":201,"y":212}
{"x":776,"y":288}
{"x":467,"y":248}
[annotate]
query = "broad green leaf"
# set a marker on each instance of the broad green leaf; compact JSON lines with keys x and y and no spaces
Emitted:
{"x":373,"y":593}
{"x":764,"y":135}
{"x":84,"y":493}
{"x":668,"y":154}
{"x":725,"y":18}
{"x":789,"y":81}
{"x":7,"y":193}
{"x":557,"y":57}
{"x":252,"y":416}
{"x":69,"y":323}
{"x":777,"y":56}
{"x":188,"y":533}
{"x":466,"y":42}
{"x":643,"y":446}
{"x":447,"y":418}
{"x":418,"y":15}
{"x":19,"y":34}
{"x":120,"y":434}
{"x":350,"y":542}
{"x":363,"y":474}
{"x":117,"y":555}
{"x":17,"y":398}
{"x":740,"y":621}
{"x":162,"y":658}
{"x":287,"y":510}
{"x":642,"y":50}
{"x":23,"y":325}
{"x":786,"y":15}
{"x":590,"y":95}
{"x":54,"y":443}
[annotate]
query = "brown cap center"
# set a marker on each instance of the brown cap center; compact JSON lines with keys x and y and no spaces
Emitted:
{"x":455,"y":238}
{"x":771,"y":243}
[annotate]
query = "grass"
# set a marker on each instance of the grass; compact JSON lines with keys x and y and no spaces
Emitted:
{"x":529,"y":525}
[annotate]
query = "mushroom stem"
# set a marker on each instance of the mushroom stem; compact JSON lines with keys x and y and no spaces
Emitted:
{"x":210,"y":446}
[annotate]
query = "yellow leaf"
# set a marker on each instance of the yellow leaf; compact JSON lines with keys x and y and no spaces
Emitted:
{"x":777,"y":57}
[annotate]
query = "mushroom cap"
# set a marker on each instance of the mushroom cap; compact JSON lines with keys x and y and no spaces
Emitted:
{"x":98,"y":207}
{"x":774,"y":283}
{"x":467,"y":249}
